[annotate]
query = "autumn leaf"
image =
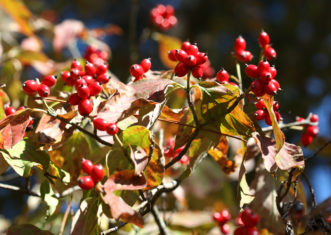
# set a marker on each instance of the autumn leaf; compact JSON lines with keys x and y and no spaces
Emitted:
{"x":125,"y":180}
{"x":3,"y":99}
{"x":26,"y":229}
{"x":148,"y":88}
{"x":154,"y":171}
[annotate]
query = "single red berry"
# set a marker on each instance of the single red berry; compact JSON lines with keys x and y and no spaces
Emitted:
{"x":260,"y":104}
{"x":270,"y":53}
{"x":181,"y":55}
{"x":252,"y":220}
{"x":275,"y":105}
{"x":185,"y":46}
{"x":272,"y":87}
{"x":30,"y":87}
{"x":257,"y":87}
{"x":112,"y":129}
{"x":265,"y":76}
{"x":31,"y":121}
{"x":192,"y":50}
{"x":136,"y":70}
{"x":95,"y":88}
{"x":273,"y":71}
{"x":10,"y":110}
{"x":80,"y":82}
{"x":312,"y":130}
{"x":103,"y":78}
{"x":225,"y":215}
{"x":314,"y":118}
{"x":100,"y":124}
{"x":239,"y":220}
{"x":306,"y":139}
{"x":74,"y":99}
{"x":71,"y":81}
{"x":76,"y":65}
{"x":201,"y":58}
{"x":43,"y":90}
{"x":263,"y":66}
{"x":181,"y":70}
{"x":244,"y":56}
{"x":85,"y":107}
{"x":239,"y":44}
{"x":86,"y":182}
{"x":222,"y":76}
{"x":65,"y":75}
{"x":101,"y":68}
{"x":172,"y":55}
{"x":263,"y":39}
{"x":88,"y":79}
{"x":83,"y":91}
{"x":75,"y":73}
{"x":87,"y":166}
{"x":197,"y":72}
{"x":184,"y":160}
{"x":146,"y":64}
{"x":190,"y":61}
{"x":49,"y":80}
{"x":97,"y":173}
{"x":251,"y":71}
{"x":259,"y":114}
{"x":217,"y":217}
{"x":225,"y":228}
{"x":90,"y":69}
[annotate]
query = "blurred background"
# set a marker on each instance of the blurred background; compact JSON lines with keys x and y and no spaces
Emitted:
{"x":300,"y":31}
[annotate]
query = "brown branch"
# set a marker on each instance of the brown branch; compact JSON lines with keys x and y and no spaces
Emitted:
{"x":18,"y":189}
{"x":160,"y":223}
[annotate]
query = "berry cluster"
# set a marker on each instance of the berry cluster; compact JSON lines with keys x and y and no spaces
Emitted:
{"x":310,"y":131}
{"x":264,"y":75}
{"x":262,"y":112}
{"x":240,"y":50}
{"x":102,"y":125}
{"x":222,"y":218}
{"x":247,"y":220}
{"x":190,"y":60}
{"x":163,"y":16}
{"x":264,"y":42}
{"x":95,"y":174}
{"x":137,"y":70}
{"x":9,"y":110}
{"x":94,"y":55}
{"x":31,"y":87}
{"x":171,"y":152}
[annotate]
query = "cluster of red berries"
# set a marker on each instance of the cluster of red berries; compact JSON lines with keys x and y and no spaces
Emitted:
{"x":163,"y":16}
{"x":247,"y":220}
{"x":222,"y":218}
{"x":262,"y":112}
{"x":95,"y":174}
{"x":137,"y":70}
{"x":87,"y":83}
{"x":9,"y":110}
{"x":171,"y":152}
{"x":190,"y":59}
{"x":102,"y":125}
{"x":310,"y":131}
{"x":264,"y":75}
{"x":240,"y":50}
{"x":264,"y":42}
{"x":95,"y":55}
{"x":31,"y":87}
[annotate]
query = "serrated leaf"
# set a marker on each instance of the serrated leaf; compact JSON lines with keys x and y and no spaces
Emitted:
{"x":47,"y":194}
{"x":26,"y":229}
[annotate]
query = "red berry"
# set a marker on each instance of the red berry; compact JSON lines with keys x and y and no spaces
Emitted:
{"x":103,"y":78}
{"x":225,"y":228}
{"x":197,"y":71}
{"x":86,"y":182}
{"x":239,"y":220}
{"x":265,"y":76}
{"x":30,"y":87}
{"x":314,"y":118}
{"x":278,"y":116}
{"x":260,"y":104}
{"x":217,"y":217}
{"x":190,"y":60}
{"x":85,"y":107}
{"x":181,"y":70}
{"x":95,"y":88}
{"x":90,"y":69}
{"x":222,"y":76}
{"x":97,"y":173}
{"x":300,"y":119}
{"x":259,"y":114}
{"x":100,"y":124}
{"x":87,"y":166}
{"x":146,"y":64}
{"x":312,"y":130}
{"x":251,"y":71}
{"x":185,"y":46}
{"x":263,"y":66}
{"x":112,"y":129}
{"x":136,"y":70}
{"x":43,"y":90}
{"x":74,"y":99}
{"x":172,"y":55}
{"x":273,"y":71}
{"x":20,"y":108}
{"x":88,"y":79}
{"x":240,"y":231}
{"x":270,"y":53}
{"x":83,"y":91}
{"x":225,"y":215}
{"x":184,"y":160}
{"x":201,"y":58}
{"x":80,"y":82}
{"x":306,"y":139}
{"x":169,"y":152}
{"x":65,"y":75}
{"x":9,"y":110}
{"x":101,"y":68}
{"x":257,"y":87}
{"x":49,"y":80}
{"x":75,"y":73}
{"x":239,"y":44}
{"x":263,"y":39}
{"x":272,"y":87}
{"x":275,"y":105}
{"x":244,"y":56}
{"x":192,"y":50}
{"x":181,"y":55}
{"x":76,"y":65}
{"x":251,"y":231}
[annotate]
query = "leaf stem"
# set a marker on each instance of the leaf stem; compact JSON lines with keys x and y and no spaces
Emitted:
{"x":239,"y":76}
{"x":190,"y":104}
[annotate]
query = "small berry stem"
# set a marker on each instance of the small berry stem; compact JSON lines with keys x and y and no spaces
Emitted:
{"x":188,"y":88}
{"x":239,"y":78}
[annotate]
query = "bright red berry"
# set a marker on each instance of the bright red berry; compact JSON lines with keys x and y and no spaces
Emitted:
{"x":217,"y":217}
{"x":185,"y":46}
{"x":312,"y":130}
{"x":136,"y":70}
{"x":74,"y":99}
{"x":9,"y":110}
{"x":30,"y":87}
{"x":239,"y":44}
{"x":65,"y":75}
{"x":146,"y":64}
{"x":201,"y":58}
{"x":270,"y":53}
{"x":300,"y":119}
{"x":190,"y":60}
{"x":49,"y":80}
{"x":103,"y":78}
{"x":225,"y":215}
{"x":85,"y":107}
{"x":90,"y":69}
{"x":273,"y":71}
{"x":260,"y":104}
{"x":251,"y":71}
{"x":225,"y":228}
{"x":95,"y":88}
{"x":181,"y":70}
{"x":257,"y":87}
{"x":259,"y":114}
{"x":263,"y":39}
{"x":76,"y":65}
{"x":100,"y":124}
{"x":80,"y":82}
{"x":184,"y":160}
{"x":43,"y":90}
{"x":87,"y":166}
{"x":197,"y":71}
{"x":314,"y":118}
{"x":97,"y":173}
{"x":265,"y":76}
{"x":88,"y":79}
{"x":263,"y":66}
{"x":192,"y":50}
{"x":83,"y":91}
{"x":244,"y":56}
{"x":86,"y":182}
{"x":275,"y":105}
{"x":181,"y":55}
{"x":172,"y":55}
{"x":222,"y":76}
{"x":306,"y":139}
{"x":101,"y":68}
{"x":112,"y":129}
{"x":75,"y":73}
{"x":272,"y":87}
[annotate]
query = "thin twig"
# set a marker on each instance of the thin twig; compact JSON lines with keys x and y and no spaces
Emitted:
{"x":291,"y":124}
{"x":318,"y":151}
{"x":160,"y":223}
{"x":18,"y":189}
{"x":65,"y":217}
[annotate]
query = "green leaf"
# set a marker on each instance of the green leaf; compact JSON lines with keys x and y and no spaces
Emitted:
{"x":137,"y":136}
{"x":26,"y":229}
{"x":47,"y":194}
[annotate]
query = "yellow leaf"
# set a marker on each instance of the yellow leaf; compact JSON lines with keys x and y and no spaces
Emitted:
{"x":167,"y":43}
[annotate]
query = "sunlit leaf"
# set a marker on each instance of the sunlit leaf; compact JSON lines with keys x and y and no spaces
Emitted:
{"x":47,"y":194}
{"x":26,"y":229}
{"x":3,"y":99}
{"x":155,"y":169}
{"x":125,"y":180}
